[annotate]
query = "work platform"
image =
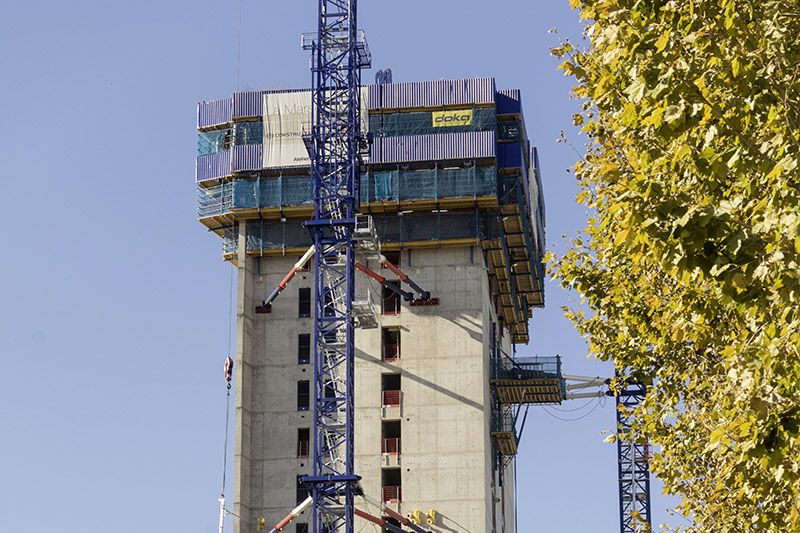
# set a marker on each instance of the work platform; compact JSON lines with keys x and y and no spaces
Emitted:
{"x":518,"y":382}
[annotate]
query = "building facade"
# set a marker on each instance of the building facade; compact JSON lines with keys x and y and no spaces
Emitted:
{"x":454,"y":190}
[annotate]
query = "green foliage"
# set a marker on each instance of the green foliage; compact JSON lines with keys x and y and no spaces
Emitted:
{"x":690,"y":264}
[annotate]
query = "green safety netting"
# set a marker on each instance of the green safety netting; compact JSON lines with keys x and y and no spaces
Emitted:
{"x":428,"y":184}
{"x":390,"y":185}
{"x":421,"y":122}
{"x":248,"y":132}
{"x":270,"y":235}
{"x":211,"y":142}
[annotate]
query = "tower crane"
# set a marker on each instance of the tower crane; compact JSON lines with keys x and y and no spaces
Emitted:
{"x":338,"y":53}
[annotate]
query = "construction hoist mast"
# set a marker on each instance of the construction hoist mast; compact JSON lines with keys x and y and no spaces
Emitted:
{"x":335,"y":143}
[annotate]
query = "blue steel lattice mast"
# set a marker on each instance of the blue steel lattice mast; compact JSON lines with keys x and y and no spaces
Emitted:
{"x":634,"y":465}
{"x":339,"y":52}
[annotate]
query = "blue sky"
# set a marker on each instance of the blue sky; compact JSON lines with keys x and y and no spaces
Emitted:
{"x":113,"y":323}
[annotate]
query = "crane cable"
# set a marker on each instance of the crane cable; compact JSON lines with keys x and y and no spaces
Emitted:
{"x":228,"y":373}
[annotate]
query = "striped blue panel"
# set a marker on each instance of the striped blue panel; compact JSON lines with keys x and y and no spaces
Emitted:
{"x":509,"y":155}
{"x":248,"y":104}
{"x":433,"y":147}
{"x":214,"y":112}
{"x":213,"y":166}
{"x":247,"y":157}
{"x":432,"y":93}
{"x":509,"y":101}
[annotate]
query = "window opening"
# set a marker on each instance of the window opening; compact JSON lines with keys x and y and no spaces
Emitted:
{"x":393,"y":257}
{"x":303,"y":349}
{"x":304,"y":297}
{"x":390,"y":437}
{"x":390,"y":344}
{"x":390,"y":301}
{"x":303,"y":439}
{"x":391,"y":483}
{"x":302,"y":490}
{"x":390,"y":389}
{"x":303,"y":395}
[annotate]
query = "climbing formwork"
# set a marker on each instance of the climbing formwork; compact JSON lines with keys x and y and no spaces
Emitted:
{"x":448,"y":164}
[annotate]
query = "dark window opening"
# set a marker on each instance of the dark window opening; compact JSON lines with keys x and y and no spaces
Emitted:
{"x":302,"y":491}
{"x":390,"y":344}
{"x":392,"y":257}
{"x":391,"y":483}
{"x":391,"y":301}
{"x":303,"y":349}
{"x":390,"y":437}
{"x":390,"y":389}
{"x":330,"y":390}
{"x":303,"y":441}
{"x":303,"y":395}
{"x":301,"y":528}
{"x":304,"y":296}
{"x":329,"y":309}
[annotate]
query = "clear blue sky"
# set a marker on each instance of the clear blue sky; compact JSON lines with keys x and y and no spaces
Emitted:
{"x":113,"y":321}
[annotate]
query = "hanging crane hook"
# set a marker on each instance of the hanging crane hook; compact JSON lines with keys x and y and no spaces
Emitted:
{"x":228,"y":371}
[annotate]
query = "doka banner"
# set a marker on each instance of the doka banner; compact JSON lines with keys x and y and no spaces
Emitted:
{"x":287,"y":116}
{"x":461,"y":117}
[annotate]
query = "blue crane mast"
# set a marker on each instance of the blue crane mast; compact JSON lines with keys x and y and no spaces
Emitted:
{"x":335,"y":143}
{"x":633,"y":464}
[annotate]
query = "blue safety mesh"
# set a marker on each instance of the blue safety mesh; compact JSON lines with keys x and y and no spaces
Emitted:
{"x":212,"y":201}
{"x":211,"y":142}
{"x":268,"y":235}
{"x":422,"y":122}
{"x":394,"y":185}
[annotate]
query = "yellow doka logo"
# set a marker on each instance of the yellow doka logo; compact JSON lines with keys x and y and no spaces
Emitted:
{"x":460,"y":117}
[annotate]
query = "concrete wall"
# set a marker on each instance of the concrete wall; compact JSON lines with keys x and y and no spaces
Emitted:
{"x":446,"y":460}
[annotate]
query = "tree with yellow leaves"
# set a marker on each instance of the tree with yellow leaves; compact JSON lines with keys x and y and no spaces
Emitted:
{"x":690,"y":266}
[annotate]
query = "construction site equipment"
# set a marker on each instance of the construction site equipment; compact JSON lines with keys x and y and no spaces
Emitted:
{"x":338,"y":53}
{"x":423,"y":294}
{"x":405,"y":295}
{"x":228,"y":373}
{"x":431,"y":517}
{"x":294,"y":513}
{"x":285,"y":281}
{"x":634,"y":464}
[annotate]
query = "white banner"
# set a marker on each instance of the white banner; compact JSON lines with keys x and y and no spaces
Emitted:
{"x":286,"y":117}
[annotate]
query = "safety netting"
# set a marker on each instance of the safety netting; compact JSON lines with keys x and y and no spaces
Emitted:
{"x":390,"y":185}
{"x":411,"y":227}
{"x":421,"y":122}
{"x":401,"y":185}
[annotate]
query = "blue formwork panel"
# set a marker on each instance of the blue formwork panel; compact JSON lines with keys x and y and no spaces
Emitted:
{"x":509,"y":155}
{"x":213,"y":166}
{"x":433,"y":147}
{"x":436,"y":93}
{"x":247,"y":157}
{"x":248,"y":104}
{"x":509,"y":102}
{"x":214,"y":112}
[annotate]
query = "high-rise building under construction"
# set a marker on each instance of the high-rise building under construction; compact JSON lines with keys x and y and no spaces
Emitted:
{"x":453,"y":190}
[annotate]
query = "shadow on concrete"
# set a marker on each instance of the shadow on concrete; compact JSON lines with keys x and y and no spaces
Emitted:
{"x":444,"y":527}
{"x":422,"y":381}
{"x":475,"y":332}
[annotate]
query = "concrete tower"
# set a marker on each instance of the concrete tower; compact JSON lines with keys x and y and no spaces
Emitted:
{"x":454,"y":190}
